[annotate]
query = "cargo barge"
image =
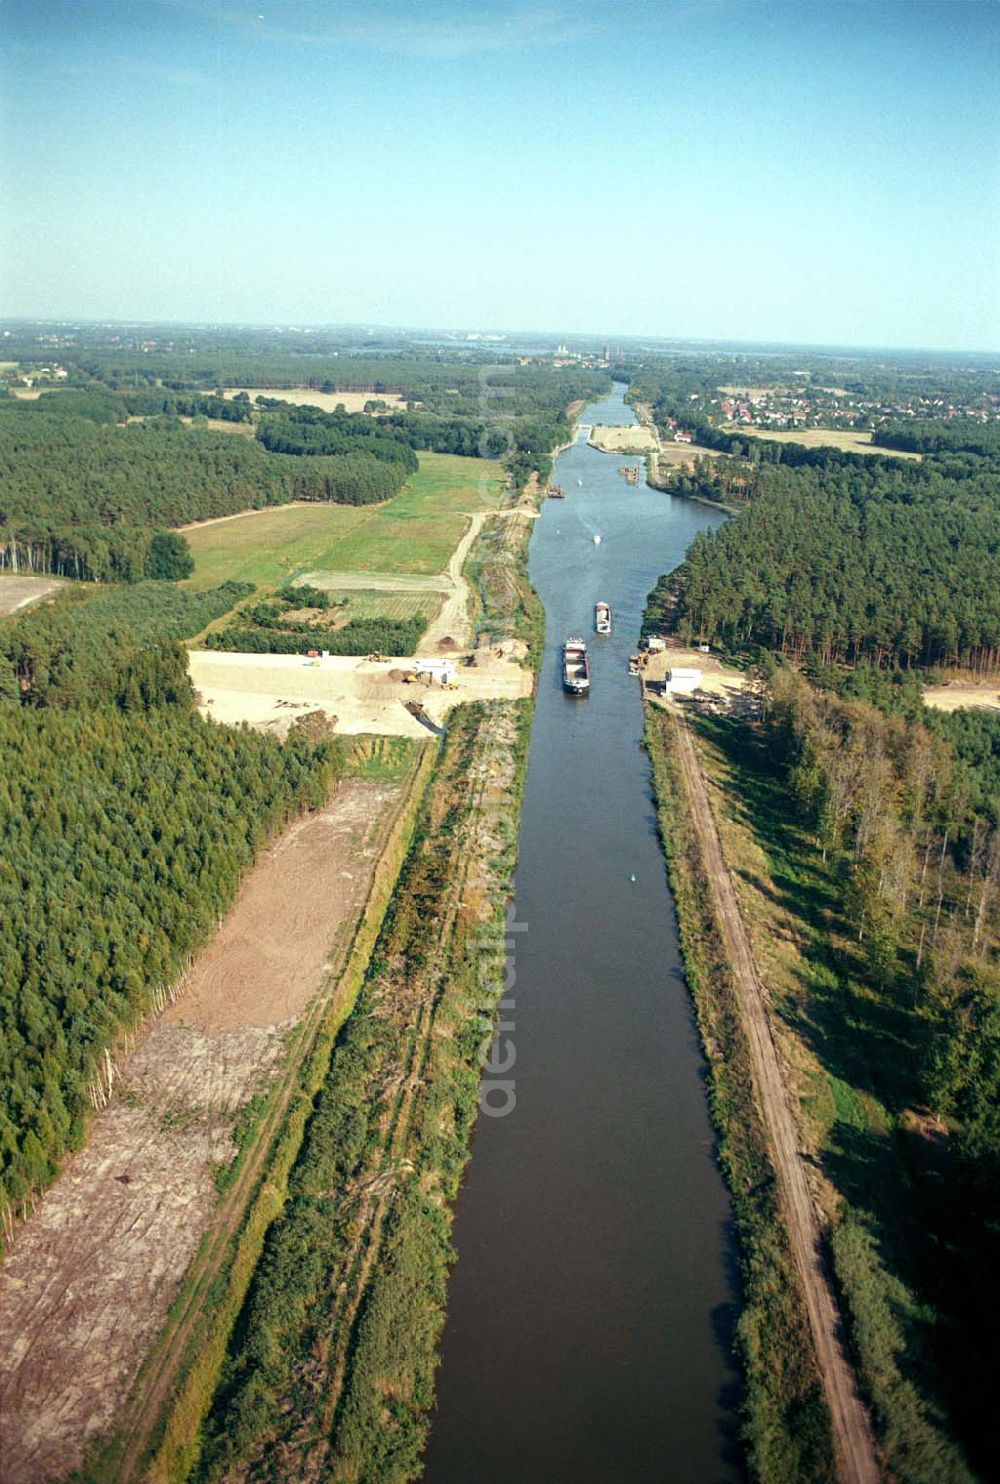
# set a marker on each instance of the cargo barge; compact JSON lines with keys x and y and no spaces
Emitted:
{"x":576,"y":667}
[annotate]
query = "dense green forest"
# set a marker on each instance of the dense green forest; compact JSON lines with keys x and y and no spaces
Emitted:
{"x":128,"y":822}
{"x":82,"y":499}
{"x":512,"y":413}
{"x":900,"y":565}
{"x":101,"y":404}
{"x":90,"y":648}
{"x":936,"y":435}
{"x":307,"y":430}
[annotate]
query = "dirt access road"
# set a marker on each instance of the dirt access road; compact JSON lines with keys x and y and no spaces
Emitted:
{"x":454,"y":619}
{"x":18,"y":592}
{"x":853,"y":1441}
{"x":87,"y":1284}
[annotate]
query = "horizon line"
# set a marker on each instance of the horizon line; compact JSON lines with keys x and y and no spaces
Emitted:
{"x":370,"y":327}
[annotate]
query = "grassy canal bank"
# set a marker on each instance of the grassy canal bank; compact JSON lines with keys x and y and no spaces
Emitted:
{"x":330,"y":1368}
{"x":787,"y":1425}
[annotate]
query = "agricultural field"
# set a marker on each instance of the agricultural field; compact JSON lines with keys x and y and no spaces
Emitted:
{"x":846,"y":439}
{"x":371,"y":602}
{"x":304,"y":396}
{"x":415,"y":532}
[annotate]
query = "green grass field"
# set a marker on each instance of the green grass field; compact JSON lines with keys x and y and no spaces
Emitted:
{"x":845,"y":439}
{"x":416,"y":531}
{"x":369,"y":603}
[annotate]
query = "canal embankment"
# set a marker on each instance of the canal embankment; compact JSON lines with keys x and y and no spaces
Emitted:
{"x":590,"y":1312}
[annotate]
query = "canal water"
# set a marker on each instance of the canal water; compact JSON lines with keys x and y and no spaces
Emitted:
{"x":591,"y":1308}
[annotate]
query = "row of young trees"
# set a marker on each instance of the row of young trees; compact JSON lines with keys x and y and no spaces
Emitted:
{"x":395,"y":636}
{"x":905,"y":1004}
{"x":128,"y":823}
{"x":88,"y":649}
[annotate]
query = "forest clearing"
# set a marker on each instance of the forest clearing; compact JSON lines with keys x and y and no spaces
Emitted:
{"x":956,"y":696}
{"x":414,"y":532}
{"x":683,"y":455}
{"x":128,"y":1212}
{"x":359,"y":694}
{"x":19,"y":592}
{"x":271,"y":690}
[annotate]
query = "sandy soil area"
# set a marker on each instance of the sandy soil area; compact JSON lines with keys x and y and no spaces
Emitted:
{"x":677,"y":455}
{"x":304,"y":396}
{"x":631,"y":439}
{"x":984,"y":695}
{"x":18,"y":592}
{"x":270,"y":690}
{"x":88,"y":1282}
{"x":716,"y":678}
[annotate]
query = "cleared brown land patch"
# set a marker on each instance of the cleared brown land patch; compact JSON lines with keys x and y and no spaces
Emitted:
{"x":272,"y":950}
{"x":18,"y":592}
{"x":746,"y":391}
{"x":716,"y":679}
{"x":985,"y":695}
{"x":89,"y":1279}
{"x":270,"y":690}
{"x":630,"y":438}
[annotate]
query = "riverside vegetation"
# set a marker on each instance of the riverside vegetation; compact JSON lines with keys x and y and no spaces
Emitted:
{"x":866,"y":834}
{"x":331,"y":1365}
{"x":787,"y":1426}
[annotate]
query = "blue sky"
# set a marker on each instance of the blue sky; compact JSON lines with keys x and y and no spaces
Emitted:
{"x":699,"y":168}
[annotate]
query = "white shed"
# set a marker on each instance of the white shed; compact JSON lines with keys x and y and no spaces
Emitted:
{"x":682,"y":679}
{"x":443,"y":671}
